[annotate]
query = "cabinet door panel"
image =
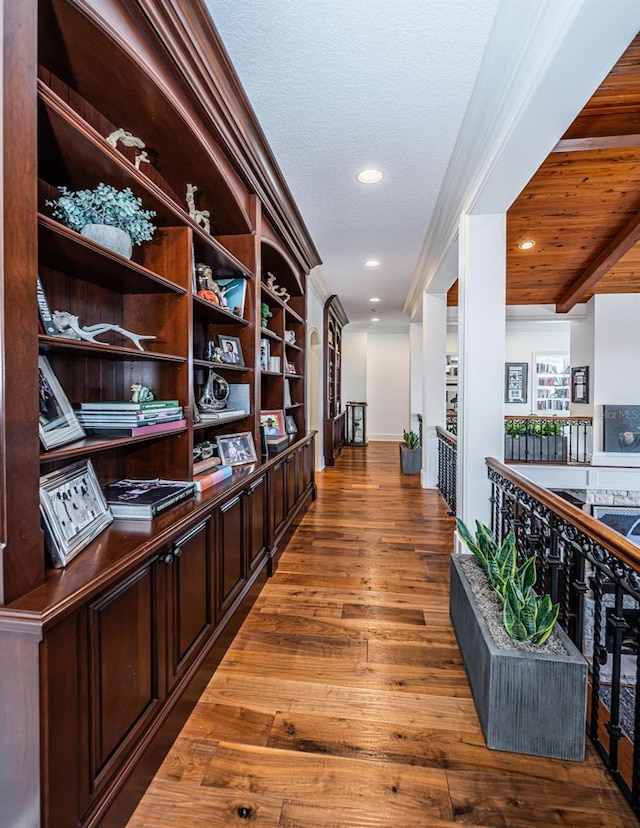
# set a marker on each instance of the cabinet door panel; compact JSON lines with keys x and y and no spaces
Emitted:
{"x":190,"y":610}
{"x":292,"y":477}
{"x":257,"y":513}
{"x":278,"y":479}
{"x":231,"y":548}
{"x":123,"y":640}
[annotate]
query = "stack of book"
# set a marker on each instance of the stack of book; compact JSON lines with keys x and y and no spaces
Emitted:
{"x":215,"y":475}
{"x":144,"y":499}
{"x":123,"y":418}
{"x":276,"y":443}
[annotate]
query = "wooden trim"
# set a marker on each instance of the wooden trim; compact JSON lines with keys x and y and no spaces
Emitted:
{"x":447,"y":435}
{"x":601,"y":265}
{"x":619,"y":546}
{"x":334,"y":304}
{"x":596,"y":143}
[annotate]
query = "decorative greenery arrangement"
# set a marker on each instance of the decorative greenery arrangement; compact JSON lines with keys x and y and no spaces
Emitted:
{"x":544,"y":428}
{"x":526,"y":615}
{"x":411,"y":440}
{"x":265,"y":311}
{"x":104,"y":205}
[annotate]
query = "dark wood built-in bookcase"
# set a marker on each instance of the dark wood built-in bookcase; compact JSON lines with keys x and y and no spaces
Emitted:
{"x":335,"y":319}
{"x":96,"y":656}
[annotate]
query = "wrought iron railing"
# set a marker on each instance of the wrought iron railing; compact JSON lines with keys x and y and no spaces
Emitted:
{"x":594,"y":574}
{"x":447,"y":461}
{"x":547,"y":439}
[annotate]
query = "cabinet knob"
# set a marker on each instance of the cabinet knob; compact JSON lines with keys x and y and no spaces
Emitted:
{"x":248,"y":492}
{"x":177,"y":551}
{"x":166,"y":559}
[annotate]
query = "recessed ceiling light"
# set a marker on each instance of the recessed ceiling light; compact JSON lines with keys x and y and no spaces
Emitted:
{"x":370,"y":176}
{"x":374,"y":319}
{"x":527,"y":245}
{"x":372,"y":263}
{"x":374,"y":299}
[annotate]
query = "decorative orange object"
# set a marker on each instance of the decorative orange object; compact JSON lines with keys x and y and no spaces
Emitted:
{"x":210,"y":296}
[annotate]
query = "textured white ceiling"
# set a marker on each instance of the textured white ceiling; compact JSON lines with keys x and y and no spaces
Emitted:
{"x":339,"y":85}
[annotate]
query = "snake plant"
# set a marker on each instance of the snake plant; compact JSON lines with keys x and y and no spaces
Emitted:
{"x":411,"y":439}
{"x":526,"y":615}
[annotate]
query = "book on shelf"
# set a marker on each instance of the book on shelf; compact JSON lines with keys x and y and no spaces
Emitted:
{"x":129,"y":418}
{"x":208,"y":480}
{"x":44,"y":313}
{"x":287,"y":393}
{"x":201,"y":466}
{"x":276,"y":444}
{"x":128,"y":405}
{"x":134,"y":431}
{"x":144,"y":499}
{"x":221,"y":414}
{"x":239,"y":396}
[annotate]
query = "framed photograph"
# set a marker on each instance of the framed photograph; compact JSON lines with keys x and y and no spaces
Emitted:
{"x":516,"y":382}
{"x":451,"y":370}
{"x":273,"y":423}
{"x":58,"y":423}
{"x":291,"y":368}
{"x":290,"y":424}
{"x":73,"y":509}
{"x":265,"y":354}
{"x":232,"y":295}
{"x":235,"y":449}
{"x":231,"y":349}
{"x":580,"y":384}
{"x":621,"y":428}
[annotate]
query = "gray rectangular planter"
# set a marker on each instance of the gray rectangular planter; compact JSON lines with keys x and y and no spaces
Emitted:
{"x":410,"y":460}
{"x":532,"y":703}
{"x":533,"y":449}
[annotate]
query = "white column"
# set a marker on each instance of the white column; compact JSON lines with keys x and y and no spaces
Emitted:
{"x":434,"y":343}
{"x":481,"y":332}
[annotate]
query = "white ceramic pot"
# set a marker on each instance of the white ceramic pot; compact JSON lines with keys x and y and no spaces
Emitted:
{"x":110,"y":237}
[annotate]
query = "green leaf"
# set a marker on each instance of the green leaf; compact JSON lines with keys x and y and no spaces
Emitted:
{"x":526,"y":574}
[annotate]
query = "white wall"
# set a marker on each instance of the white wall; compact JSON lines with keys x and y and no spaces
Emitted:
{"x":315,"y":396}
{"x":582,"y":344}
{"x":616,"y":374}
{"x":416,"y":381}
{"x":376,"y":371}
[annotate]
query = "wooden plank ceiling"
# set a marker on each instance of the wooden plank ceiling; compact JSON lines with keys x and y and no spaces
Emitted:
{"x":582,"y":207}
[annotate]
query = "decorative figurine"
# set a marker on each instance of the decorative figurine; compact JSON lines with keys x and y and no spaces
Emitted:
{"x":125,"y":138}
{"x":69,"y":326}
{"x":208,"y":288}
{"x":213,"y":352}
{"x":199,"y":216}
{"x":214,"y":394}
{"x":141,"y":393}
{"x":140,"y":159}
{"x":290,"y":337}
{"x":283,"y":293}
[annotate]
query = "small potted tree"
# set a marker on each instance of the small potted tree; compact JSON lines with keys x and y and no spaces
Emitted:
{"x":113,"y":218}
{"x":265,"y":314}
{"x":410,"y":453}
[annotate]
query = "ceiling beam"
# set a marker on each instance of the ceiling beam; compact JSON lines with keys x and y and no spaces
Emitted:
{"x":596,"y":143}
{"x":600,"y":266}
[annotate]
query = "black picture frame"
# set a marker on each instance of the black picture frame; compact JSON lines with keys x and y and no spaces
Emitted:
{"x":580,"y":384}
{"x":290,"y":424}
{"x":516,"y":382}
{"x":231,"y":350}
{"x":621,"y":428}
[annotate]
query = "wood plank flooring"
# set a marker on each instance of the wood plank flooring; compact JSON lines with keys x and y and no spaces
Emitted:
{"x":343,"y":703}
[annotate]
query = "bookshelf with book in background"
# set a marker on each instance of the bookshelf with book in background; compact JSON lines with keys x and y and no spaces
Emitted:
{"x":129,"y":610}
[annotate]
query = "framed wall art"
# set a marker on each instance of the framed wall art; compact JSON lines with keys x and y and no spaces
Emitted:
{"x":580,"y":384}
{"x":516,"y":382}
{"x":621,"y":428}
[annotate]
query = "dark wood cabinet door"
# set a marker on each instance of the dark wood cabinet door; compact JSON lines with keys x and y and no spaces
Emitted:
{"x":230,"y":551}
{"x":279,"y":483}
{"x":124,"y":640}
{"x":257,"y":518}
{"x":291,"y":474}
{"x":306,"y":466}
{"x":189,"y":604}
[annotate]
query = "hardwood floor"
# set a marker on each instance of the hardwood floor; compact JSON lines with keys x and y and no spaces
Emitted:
{"x":343,"y":703}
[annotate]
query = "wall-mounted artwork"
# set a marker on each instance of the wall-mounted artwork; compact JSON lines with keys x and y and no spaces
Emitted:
{"x":580,"y":384}
{"x":621,"y":428}
{"x":515,"y":382}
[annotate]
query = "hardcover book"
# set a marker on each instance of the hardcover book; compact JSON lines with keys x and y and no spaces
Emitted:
{"x":128,"y":405}
{"x":144,"y":499}
{"x":135,"y":431}
{"x":44,"y":313}
{"x":207,"y":481}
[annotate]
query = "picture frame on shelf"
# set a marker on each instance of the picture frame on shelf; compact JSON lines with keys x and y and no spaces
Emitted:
{"x":451,"y":370}
{"x":580,"y":384}
{"x":57,"y":421}
{"x":621,"y":431}
{"x":265,"y":354}
{"x":233,"y":293}
{"x":74,"y":510}
{"x":236,"y":449}
{"x":290,"y":424}
{"x":516,"y":382}
{"x":291,"y":368}
{"x":231,"y":350}
{"x":273,"y":423}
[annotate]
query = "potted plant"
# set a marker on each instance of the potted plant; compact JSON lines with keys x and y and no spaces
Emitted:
{"x":265,"y":314}
{"x":113,"y":218}
{"x":530,"y":690}
{"x":410,"y":453}
{"x":529,"y":440}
